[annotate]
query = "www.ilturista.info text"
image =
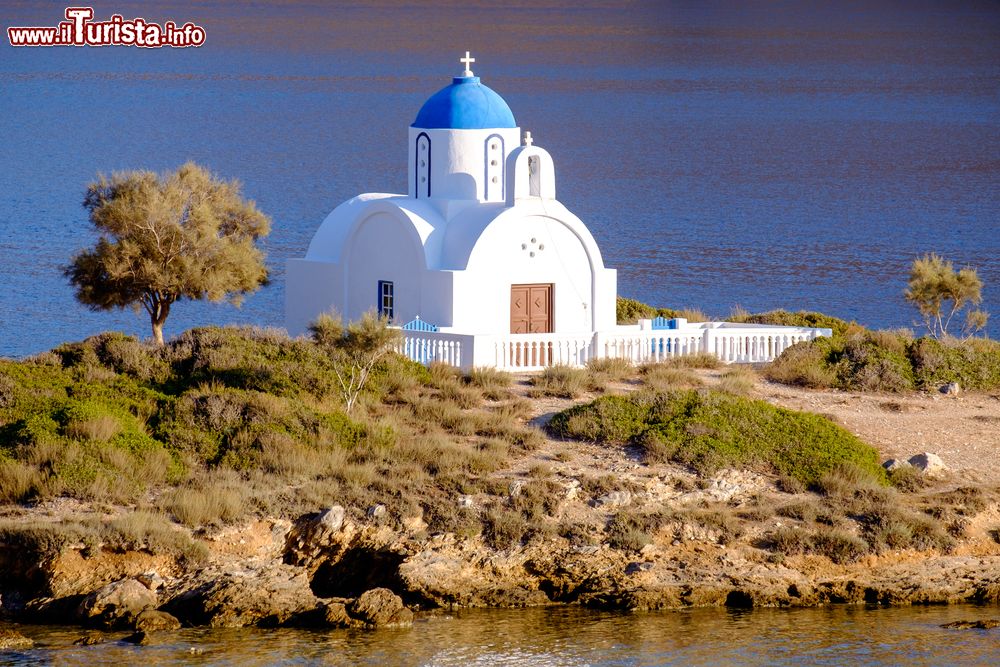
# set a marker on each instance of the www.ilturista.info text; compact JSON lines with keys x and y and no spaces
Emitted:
{"x":79,"y":30}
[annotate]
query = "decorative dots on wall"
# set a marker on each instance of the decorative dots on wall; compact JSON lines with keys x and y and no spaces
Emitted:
{"x":533,"y":247}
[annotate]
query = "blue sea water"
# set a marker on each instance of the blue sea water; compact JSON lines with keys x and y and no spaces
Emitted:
{"x":772,"y":154}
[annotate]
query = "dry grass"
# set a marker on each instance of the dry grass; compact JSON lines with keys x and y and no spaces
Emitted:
{"x":18,"y":481}
{"x":215,"y":503}
{"x":494,"y":384}
{"x":101,"y":428}
{"x":561,"y":382}
{"x":838,"y":545}
{"x":608,"y":369}
{"x":738,"y":380}
{"x":663,"y":377}
{"x":702,"y":360}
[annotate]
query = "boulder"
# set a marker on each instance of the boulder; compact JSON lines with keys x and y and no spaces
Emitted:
{"x":928,"y":463}
{"x":12,"y":639}
{"x":269,"y":596}
{"x":151,"y":620}
{"x":116,"y":604}
{"x":332,"y":520}
{"x":951,"y":389}
{"x":894,"y":464}
{"x":380,"y":608}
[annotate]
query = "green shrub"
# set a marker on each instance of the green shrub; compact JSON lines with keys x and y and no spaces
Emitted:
{"x":973,"y":363}
{"x":610,"y":419}
{"x":630,"y":311}
{"x":802,"y":318}
{"x":708,"y":430}
{"x":875,"y":361}
{"x":803,"y":364}
{"x":889,"y":361}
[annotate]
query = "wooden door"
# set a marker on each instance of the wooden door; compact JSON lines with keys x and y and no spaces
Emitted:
{"x":531,"y":308}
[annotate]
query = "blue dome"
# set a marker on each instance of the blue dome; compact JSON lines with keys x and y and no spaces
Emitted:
{"x":464,"y":105}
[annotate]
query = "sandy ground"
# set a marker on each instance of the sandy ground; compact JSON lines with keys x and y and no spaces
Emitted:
{"x":964,"y":430}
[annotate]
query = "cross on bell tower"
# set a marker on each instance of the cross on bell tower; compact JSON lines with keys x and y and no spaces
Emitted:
{"x":467,"y":60}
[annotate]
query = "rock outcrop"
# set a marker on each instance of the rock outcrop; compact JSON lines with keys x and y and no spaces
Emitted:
{"x":380,"y":608}
{"x":269,"y":595}
{"x":117,"y":604}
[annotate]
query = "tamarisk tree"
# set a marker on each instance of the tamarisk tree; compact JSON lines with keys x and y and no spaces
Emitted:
{"x":355,"y":349}
{"x":939,"y":293}
{"x":186,"y":234}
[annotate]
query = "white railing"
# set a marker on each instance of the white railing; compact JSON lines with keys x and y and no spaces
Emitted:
{"x":732,"y":343}
{"x":755,"y":343}
{"x":535,"y":351}
{"x":430,"y":346}
{"x":651,"y":346}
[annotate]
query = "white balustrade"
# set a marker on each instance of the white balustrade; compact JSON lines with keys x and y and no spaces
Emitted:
{"x":732,"y":343}
{"x":536,"y":351}
{"x":429,"y":346}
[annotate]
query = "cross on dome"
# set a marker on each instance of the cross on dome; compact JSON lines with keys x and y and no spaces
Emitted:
{"x":467,"y":61}
{"x":527,"y":139}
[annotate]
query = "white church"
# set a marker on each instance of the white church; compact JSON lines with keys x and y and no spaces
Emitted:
{"x":480,"y":264}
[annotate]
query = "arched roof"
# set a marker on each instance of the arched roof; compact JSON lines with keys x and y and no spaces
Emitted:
{"x":466,"y":104}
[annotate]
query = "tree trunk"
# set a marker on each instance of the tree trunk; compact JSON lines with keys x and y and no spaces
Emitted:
{"x":157,"y":317}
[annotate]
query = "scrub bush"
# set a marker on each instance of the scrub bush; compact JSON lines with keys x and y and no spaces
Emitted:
{"x":708,"y":430}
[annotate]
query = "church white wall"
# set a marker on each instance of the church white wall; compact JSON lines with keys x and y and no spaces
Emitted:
{"x":437,"y":299}
{"x":460,"y":164}
{"x":383,"y":246}
{"x":311,"y":288}
{"x":532,"y":249}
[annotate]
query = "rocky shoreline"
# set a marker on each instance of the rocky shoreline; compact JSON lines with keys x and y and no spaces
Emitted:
{"x":330,"y":570}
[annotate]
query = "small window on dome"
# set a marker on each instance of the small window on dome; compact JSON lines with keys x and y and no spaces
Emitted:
{"x":534,"y":178}
{"x":493,"y":150}
{"x":422,"y":164}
